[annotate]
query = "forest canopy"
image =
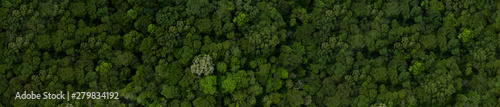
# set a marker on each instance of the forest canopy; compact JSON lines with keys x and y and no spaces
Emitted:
{"x":242,"y":53}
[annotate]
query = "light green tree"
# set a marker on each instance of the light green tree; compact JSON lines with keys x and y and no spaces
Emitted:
{"x":202,"y":64}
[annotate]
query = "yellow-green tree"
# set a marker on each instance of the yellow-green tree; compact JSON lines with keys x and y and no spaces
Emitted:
{"x":416,"y":68}
{"x":466,"y":35}
{"x":241,"y":19}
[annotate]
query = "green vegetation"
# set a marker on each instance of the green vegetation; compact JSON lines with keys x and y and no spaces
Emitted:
{"x":244,"y":53}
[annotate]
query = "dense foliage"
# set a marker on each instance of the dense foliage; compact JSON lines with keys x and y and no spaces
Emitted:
{"x":241,"y":53}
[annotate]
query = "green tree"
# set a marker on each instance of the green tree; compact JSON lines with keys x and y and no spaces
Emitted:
{"x":170,"y":91}
{"x":204,"y":25}
{"x":167,"y":16}
{"x":147,"y":45}
{"x":273,"y":85}
{"x":361,"y":101}
{"x":123,"y":58}
{"x":132,"y":13}
{"x":78,"y":9}
{"x":393,"y":9}
{"x":131,"y":39}
{"x":201,"y":102}
{"x":229,"y":84}
{"x":199,"y":8}
{"x":43,"y":41}
{"x":292,"y":56}
{"x":208,"y":85}
{"x":221,"y":67}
